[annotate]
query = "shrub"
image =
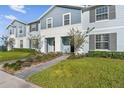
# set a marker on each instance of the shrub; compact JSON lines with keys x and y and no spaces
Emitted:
{"x":26,"y":64}
{"x":6,"y":65}
{"x":30,"y":59}
{"x":23,"y":50}
{"x":106,"y":54}
{"x":76,"y":56}
{"x":14,"y":66}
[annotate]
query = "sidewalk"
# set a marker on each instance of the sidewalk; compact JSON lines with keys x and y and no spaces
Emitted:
{"x":9,"y":81}
{"x":25,"y":73}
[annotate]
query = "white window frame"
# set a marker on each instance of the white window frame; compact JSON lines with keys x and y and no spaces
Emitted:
{"x":69,"y":18}
{"x":51,"y":22}
{"x":103,"y":19}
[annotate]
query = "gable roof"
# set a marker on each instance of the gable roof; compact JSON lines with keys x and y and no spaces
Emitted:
{"x":16,"y":21}
{"x":64,"y":6}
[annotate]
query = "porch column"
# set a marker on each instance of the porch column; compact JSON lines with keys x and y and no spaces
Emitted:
{"x":57,"y":44}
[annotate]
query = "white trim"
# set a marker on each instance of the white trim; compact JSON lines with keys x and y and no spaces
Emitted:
{"x":103,"y":19}
{"x":69,"y":18}
{"x":51,"y":22}
{"x":81,"y":19}
{"x":102,"y":41}
{"x":46,"y":12}
{"x":102,"y":50}
{"x":10,"y":24}
{"x":99,"y":30}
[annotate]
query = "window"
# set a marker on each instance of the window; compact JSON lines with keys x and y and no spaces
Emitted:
{"x":34,"y":27}
{"x":21,"y":43}
{"x":49,"y":22}
{"x":66,"y":19}
{"x":102,"y":13}
{"x":20,"y":29}
{"x":10,"y":32}
{"x":34,"y":43}
{"x":102,"y":41}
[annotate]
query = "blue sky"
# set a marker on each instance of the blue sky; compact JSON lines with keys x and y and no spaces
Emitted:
{"x":25,"y":13}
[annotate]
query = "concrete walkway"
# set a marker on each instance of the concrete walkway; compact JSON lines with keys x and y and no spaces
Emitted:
{"x":25,"y":73}
{"x":9,"y":81}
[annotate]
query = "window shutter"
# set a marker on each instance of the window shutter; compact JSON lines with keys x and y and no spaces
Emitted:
{"x":92,"y":42}
{"x":36,"y":26}
{"x":29,"y":43}
{"x":92,"y":15}
{"x":112,"y":12}
{"x":113,"y":41}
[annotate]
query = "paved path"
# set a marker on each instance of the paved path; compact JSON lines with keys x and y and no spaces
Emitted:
{"x":9,"y":81}
{"x":40,"y":67}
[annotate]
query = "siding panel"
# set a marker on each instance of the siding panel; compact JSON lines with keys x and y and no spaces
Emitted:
{"x":92,"y":15}
{"x":112,"y":12}
{"x":57,"y":14}
{"x":92,"y":42}
{"x":113,"y":41}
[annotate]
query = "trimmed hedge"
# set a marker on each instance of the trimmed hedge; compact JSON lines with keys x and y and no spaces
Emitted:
{"x":74,"y":56}
{"x":106,"y":54}
{"x":23,"y":50}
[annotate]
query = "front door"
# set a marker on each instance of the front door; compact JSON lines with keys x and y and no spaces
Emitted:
{"x":65,"y":45}
{"x":50,"y":45}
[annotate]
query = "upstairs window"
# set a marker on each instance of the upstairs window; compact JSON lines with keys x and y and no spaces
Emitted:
{"x":67,"y":19}
{"x":102,"y":13}
{"x":49,"y":23}
{"x":20,"y":30}
{"x":102,"y":41}
{"x":10,"y":32}
{"x":34,"y":27}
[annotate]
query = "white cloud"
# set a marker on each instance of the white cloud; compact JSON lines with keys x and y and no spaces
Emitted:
{"x":10,"y":17}
{"x":18,"y":8}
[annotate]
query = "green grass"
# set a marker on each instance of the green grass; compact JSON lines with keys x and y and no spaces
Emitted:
{"x":4,"y":56}
{"x":85,"y":72}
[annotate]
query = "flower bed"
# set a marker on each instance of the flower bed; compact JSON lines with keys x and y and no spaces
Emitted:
{"x":28,"y":62}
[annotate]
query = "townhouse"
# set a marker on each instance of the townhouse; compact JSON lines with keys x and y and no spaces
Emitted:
{"x":49,"y":33}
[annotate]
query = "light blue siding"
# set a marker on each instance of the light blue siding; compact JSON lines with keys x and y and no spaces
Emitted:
{"x":57,"y":14}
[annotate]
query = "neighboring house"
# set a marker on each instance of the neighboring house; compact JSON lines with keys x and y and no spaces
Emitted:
{"x":50,"y":32}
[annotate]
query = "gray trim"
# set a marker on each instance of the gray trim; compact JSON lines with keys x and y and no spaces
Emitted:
{"x":113,"y":41}
{"x":92,"y":42}
{"x":112,"y":12}
{"x":92,"y":15}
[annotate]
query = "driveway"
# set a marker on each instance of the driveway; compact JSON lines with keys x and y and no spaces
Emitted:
{"x":9,"y":81}
{"x":25,"y":73}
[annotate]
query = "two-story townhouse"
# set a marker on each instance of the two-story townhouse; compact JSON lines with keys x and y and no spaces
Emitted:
{"x":108,"y":21}
{"x":53,"y":26}
{"x":17,"y":35}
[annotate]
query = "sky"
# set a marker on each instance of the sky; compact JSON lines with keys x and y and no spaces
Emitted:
{"x":23,"y":13}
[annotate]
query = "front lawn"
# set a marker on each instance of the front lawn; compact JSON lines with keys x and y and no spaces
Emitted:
{"x":85,"y":72}
{"x":4,"y":56}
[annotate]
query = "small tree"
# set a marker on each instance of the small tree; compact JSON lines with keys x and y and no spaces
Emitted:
{"x":11,"y":42}
{"x":37,"y":37}
{"x":78,"y":38}
{"x":5,"y":42}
